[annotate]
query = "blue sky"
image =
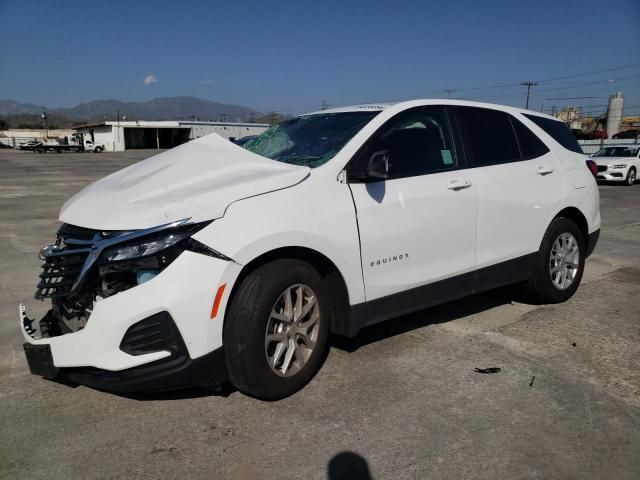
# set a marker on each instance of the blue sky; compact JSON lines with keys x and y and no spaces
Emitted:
{"x":289,"y":56}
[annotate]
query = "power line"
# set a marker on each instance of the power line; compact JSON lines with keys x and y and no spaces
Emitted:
{"x":449,"y":91}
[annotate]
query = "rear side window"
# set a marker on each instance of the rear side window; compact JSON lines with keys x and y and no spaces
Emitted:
{"x":558,"y":131}
{"x":530,"y":145}
{"x":489,"y":136}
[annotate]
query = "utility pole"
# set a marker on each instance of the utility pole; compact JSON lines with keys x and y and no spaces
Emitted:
{"x":325,"y":105}
{"x":528,"y":84}
{"x":117,"y":129}
{"x":46,"y":128}
{"x":449,"y":92}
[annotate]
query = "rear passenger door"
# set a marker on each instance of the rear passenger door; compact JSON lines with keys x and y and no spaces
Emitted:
{"x":518,"y":180}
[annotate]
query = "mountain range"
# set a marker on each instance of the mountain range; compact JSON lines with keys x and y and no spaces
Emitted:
{"x":166,"y":108}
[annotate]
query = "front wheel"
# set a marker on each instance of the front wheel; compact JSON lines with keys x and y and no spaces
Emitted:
{"x":559,"y":264}
{"x":631,"y":177}
{"x":97,"y":150}
{"x":276,"y":329}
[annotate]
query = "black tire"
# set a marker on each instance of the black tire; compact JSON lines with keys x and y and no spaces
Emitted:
{"x":39,"y":150}
{"x":631,"y":177}
{"x":97,"y":150}
{"x":541,"y":287}
{"x":245,"y":328}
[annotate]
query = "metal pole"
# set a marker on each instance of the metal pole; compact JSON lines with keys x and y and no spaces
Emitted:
{"x":528,"y":84}
{"x":157,"y":139}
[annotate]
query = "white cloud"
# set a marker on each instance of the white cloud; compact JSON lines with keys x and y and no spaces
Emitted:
{"x":149,"y":79}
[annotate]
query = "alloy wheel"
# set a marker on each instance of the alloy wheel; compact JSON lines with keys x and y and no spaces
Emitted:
{"x":292,"y":330}
{"x":564,"y":261}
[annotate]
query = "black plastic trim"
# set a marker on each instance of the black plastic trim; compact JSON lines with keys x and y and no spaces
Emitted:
{"x":419,"y":298}
{"x":169,"y":373}
{"x":592,"y":241}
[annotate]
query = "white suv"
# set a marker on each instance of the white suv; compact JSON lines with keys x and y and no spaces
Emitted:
{"x":618,"y":163}
{"x":211,"y":261}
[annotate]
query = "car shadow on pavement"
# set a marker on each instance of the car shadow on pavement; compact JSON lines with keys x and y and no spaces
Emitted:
{"x":348,"y":465}
{"x":223,"y":390}
{"x":432,"y":316}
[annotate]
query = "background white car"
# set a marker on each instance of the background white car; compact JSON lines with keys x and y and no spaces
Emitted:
{"x":619,"y":163}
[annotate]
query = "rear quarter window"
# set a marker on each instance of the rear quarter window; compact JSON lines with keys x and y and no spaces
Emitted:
{"x":558,"y":131}
{"x":530,"y":145}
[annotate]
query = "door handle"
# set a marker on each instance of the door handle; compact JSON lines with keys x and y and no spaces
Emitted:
{"x":458,"y":185}
{"x":544,"y":170}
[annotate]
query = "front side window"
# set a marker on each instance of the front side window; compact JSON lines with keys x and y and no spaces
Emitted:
{"x":558,"y":131}
{"x":309,"y":140}
{"x":417,"y":142}
{"x":489,"y":136}
{"x":617,"y":152}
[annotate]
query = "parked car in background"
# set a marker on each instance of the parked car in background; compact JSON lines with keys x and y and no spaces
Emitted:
{"x":593,"y":135}
{"x":211,"y":262}
{"x":632,"y":133}
{"x":619,"y":163}
{"x":30,"y":146}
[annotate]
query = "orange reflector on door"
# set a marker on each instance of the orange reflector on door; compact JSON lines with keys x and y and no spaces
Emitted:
{"x":216,"y":301}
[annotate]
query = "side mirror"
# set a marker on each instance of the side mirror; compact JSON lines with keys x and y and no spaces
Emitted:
{"x":378,"y":166}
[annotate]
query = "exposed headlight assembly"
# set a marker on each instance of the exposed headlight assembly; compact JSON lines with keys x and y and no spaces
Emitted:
{"x":165,"y":245}
{"x":145,"y":254}
{"x":143,"y":248}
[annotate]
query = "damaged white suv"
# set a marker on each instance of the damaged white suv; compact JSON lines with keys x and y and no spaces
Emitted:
{"x":213,"y":262}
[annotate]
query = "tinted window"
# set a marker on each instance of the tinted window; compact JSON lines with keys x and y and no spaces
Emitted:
{"x":418,"y":142}
{"x":558,"y":131}
{"x":530,"y":145}
{"x":489,"y":136}
{"x":617,"y":152}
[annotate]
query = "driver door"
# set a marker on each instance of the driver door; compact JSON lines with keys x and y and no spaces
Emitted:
{"x":417,"y":226}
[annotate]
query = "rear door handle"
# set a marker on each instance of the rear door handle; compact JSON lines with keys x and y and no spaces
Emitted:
{"x":544,"y":170}
{"x":458,"y":185}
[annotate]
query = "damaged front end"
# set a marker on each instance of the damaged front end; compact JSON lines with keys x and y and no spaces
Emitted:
{"x":85,"y":266}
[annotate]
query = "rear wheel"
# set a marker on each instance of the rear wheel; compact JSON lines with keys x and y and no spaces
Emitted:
{"x":631,"y":177}
{"x":559,"y":264}
{"x":276,"y":329}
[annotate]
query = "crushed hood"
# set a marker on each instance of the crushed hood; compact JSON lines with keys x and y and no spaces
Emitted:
{"x":197,"y":180}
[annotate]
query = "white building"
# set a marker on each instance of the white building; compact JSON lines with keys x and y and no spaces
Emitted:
{"x":119,"y":136}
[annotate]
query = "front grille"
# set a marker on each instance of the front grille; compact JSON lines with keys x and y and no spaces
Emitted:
{"x":59,"y":273}
{"x":602,"y":168}
{"x":64,"y":261}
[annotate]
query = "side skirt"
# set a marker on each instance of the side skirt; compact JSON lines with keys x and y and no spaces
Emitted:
{"x":443,"y":291}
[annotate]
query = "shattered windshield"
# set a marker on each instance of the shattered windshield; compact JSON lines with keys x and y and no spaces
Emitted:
{"x":309,"y":140}
{"x":617,"y":152}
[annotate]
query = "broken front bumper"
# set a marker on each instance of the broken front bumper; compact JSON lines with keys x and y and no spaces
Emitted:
{"x":99,"y":356}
